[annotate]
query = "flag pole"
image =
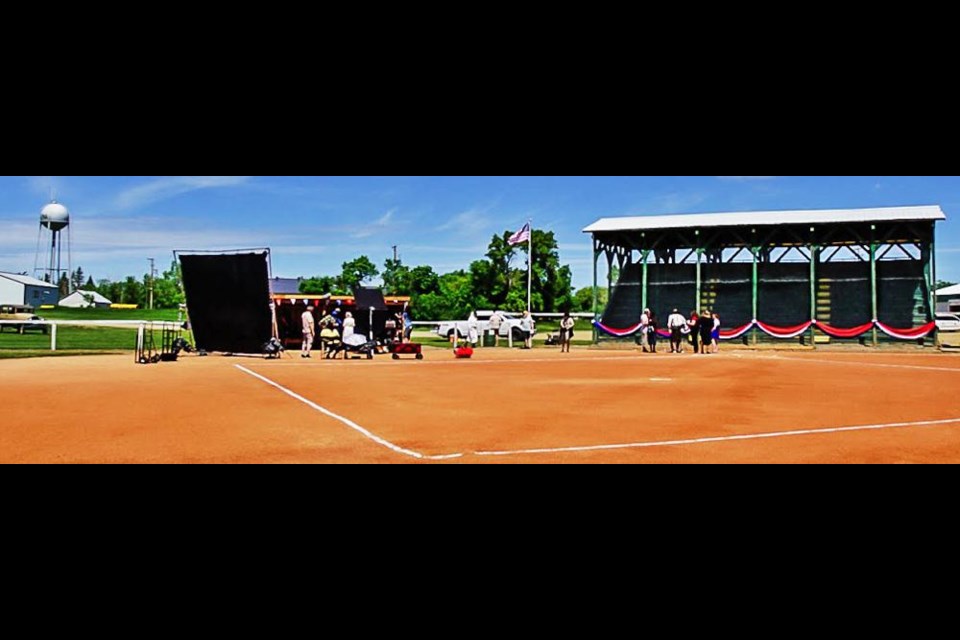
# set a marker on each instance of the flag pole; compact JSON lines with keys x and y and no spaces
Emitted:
{"x":529,"y":265}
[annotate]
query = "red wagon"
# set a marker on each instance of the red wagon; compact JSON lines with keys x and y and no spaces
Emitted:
{"x":406,"y":349}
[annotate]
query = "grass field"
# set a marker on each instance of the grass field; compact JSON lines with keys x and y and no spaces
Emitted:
{"x":63,"y":313}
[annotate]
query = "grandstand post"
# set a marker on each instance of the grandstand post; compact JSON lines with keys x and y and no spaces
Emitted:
{"x":755,"y":252}
{"x":931,"y":269}
{"x":643,"y":287}
{"x":699,"y":255}
{"x":609,"y":256}
{"x":813,"y":291}
{"x":596,"y":255}
{"x":873,"y":281}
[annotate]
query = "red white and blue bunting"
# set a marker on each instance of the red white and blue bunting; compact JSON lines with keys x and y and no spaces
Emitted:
{"x":786,"y":333}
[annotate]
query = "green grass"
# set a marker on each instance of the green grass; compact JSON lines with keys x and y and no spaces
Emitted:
{"x":31,"y":353}
{"x":72,"y":338}
{"x":63,"y":313}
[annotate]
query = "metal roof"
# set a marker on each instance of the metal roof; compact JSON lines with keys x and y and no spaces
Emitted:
{"x":767,"y":218}
{"x":949,"y":291}
{"x":22,"y":279}
{"x":82,"y":295}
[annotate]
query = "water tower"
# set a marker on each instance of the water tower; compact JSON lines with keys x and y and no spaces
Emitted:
{"x":54,"y":217}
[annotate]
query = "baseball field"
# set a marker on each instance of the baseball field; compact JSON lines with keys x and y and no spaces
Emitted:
{"x":501,"y":406}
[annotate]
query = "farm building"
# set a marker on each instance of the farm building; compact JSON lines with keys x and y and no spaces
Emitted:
{"x":85,"y":299}
{"x":816,"y":276}
{"x":16,"y":288}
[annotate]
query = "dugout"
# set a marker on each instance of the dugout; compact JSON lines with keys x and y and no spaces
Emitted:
{"x":290,"y":307}
{"x":814,"y":276}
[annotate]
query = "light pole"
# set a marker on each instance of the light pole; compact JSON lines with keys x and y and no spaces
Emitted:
{"x":150,"y":285}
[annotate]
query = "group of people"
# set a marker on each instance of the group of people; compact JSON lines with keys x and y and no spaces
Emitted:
{"x":701,"y":329}
{"x":334,"y":329}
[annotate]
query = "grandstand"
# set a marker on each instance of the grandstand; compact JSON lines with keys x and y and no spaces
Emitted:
{"x":813,"y":276}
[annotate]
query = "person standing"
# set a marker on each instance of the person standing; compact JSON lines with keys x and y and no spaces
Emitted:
{"x":644,"y":325}
{"x":526,"y":328}
{"x":705,"y":328}
{"x":715,"y":333}
{"x":349,"y":325}
{"x":676,"y":323}
{"x":652,"y":331}
{"x":495,"y":321}
{"x":473,"y":330}
{"x":693,"y":329}
{"x":309,"y":332}
{"x":407,"y":324}
{"x":566,"y":332}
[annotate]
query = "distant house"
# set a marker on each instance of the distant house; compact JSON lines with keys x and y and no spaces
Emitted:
{"x":948,"y":299}
{"x":84,"y":299}
{"x":16,"y":288}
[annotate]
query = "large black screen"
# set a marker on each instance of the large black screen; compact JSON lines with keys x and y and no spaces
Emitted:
{"x":228,"y":298}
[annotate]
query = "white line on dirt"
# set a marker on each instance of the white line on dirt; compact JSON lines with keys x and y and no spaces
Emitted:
{"x":872,"y":364}
{"x":350,"y":423}
{"x":749,"y":436}
{"x":602,"y":447}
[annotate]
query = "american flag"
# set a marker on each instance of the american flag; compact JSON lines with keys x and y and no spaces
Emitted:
{"x":520,"y":236}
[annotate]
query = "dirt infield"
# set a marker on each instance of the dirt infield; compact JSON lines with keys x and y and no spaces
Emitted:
{"x":502,"y":406}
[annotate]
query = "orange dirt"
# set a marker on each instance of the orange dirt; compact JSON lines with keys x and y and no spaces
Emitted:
{"x":208,"y":410}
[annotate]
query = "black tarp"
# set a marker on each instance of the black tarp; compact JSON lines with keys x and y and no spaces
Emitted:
{"x":228,"y":299}
{"x":364,"y":299}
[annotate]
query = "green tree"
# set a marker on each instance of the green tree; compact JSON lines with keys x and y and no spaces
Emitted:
{"x":583,"y":300}
{"x":321,"y":285}
{"x":76,"y":279}
{"x":358,"y":271}
{"x":64,"y":285}
{"x":396,"y":278}
{"x":423,"y":280}
{"x":943,"y":284}
{"x":453,"y":300}
{"x":133,"y":292}
{"x":90,"y":286}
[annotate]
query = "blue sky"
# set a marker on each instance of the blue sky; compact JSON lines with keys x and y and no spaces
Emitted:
{"x":312,"y":224}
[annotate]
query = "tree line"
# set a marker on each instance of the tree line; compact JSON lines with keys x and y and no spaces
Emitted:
{"x":167,"y":288}
{"x":498,"y":281}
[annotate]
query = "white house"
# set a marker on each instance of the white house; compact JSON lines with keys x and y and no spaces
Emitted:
{"x":16,"y":288}
{"x":84,"y":299}
{"x":948,"y":299}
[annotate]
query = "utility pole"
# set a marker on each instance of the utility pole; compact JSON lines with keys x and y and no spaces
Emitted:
{"x":153,"y":272}
{"x":394,"y":253}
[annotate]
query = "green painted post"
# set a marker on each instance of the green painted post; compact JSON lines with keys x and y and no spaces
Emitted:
{"x":596,"y":301}
{"x":814,"y":250}
{"x":699,"y":255}
{"x":873,"y":285}
{"x":932,"y":283}
{"x":609,"y":276}
{"x":755,"y":251}
{"x":643,"y":289}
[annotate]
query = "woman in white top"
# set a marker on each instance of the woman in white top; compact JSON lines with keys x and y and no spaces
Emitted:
{"x":526,"y":328}
{"x":348,"y":325}
{"x":566,"y":332}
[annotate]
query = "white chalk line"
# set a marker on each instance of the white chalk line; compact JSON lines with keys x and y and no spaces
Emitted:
{"x":350,"y":423}
{"x":870,"y":364}
{"x":601,"y":447}
{"x":748,"y":436}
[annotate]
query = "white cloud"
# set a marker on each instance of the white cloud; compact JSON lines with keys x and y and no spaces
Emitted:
{"x":472,"y":222}
{"x":168,"y":187}
{"x":380,"y":224}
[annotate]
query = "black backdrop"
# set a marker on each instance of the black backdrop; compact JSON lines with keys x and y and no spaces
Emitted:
{"x":228,"y":299}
